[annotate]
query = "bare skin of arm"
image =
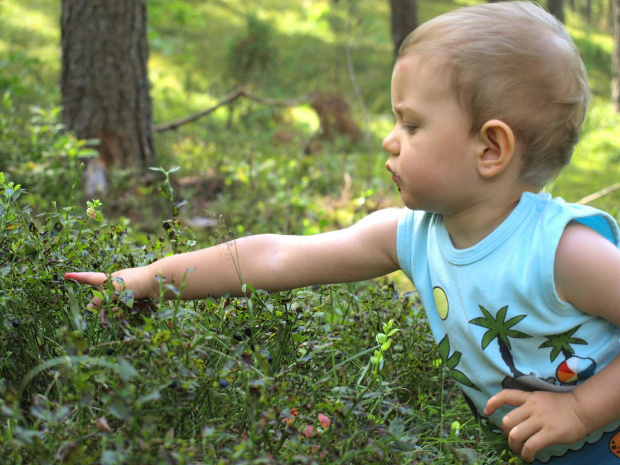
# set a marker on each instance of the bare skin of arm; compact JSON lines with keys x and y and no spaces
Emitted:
{"x":587,"y":273}
{"x":270,"y":262}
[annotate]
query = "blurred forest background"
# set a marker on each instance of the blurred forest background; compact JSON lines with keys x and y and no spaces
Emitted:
{"x":295,"y":150}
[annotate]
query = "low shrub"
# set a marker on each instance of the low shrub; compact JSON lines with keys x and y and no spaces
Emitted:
{"x":327,"y":374}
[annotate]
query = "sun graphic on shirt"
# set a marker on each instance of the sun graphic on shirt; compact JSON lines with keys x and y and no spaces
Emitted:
{"x":441,"y":302}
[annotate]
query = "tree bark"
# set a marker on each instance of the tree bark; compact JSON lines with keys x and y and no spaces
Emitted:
{"x":556,"y":8}
{"x":104,"y":80}
{"x":404,"y":20}
{"x":615,"y":86}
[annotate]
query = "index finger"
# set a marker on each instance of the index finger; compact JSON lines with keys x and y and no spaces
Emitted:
{"x":513,"y":397}
{"x":88,"y":277}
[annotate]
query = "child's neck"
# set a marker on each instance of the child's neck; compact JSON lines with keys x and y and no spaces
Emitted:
{"x":472,"y":225}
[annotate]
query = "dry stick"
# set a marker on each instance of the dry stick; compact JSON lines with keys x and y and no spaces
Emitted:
{"x":175,"y":124}
{"x":599,"y":194}
{"x":234,"y":95}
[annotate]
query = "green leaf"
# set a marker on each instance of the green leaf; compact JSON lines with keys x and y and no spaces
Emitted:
{"x":481,"y":322}
{"x":166,"y":191}
{"x":150,"y":397}
{"x":454,"y":360}
{"x":119,"y":408}
{"x":126,"y":369}
{"x":161,"y":336}
{"x":517,"y":334}
{"x":127,"y":297}
{"x":397,"y":427}
{"x":460,"y":377}
{"x":119,"y":281}
{"x":444,"y":347}
{"x":487,"y":338}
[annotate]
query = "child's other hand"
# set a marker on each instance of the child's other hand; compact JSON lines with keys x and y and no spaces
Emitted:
{"x":541,"y":419}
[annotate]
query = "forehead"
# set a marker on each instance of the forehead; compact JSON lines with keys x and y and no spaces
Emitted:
{"x":421,"y":75}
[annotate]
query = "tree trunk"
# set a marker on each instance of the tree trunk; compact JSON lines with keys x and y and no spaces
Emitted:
{"x":104,"y":81}
{"x":556,"y":8}
{"x":615,"y":86}
{"x":404,"y":20}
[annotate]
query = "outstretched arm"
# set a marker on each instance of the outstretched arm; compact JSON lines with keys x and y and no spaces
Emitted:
{"x":587,"y":273}
{"x":270,"y":262}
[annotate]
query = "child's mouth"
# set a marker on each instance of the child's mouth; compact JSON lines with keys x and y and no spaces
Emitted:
{"x":396,"y":181}
{"x":395,"y":177}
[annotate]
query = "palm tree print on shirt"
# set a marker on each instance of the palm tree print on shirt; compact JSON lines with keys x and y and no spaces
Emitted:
{"x":562,"y":343}
{"x":452,"y":362}
{"x":500,"y":329}
{"x":573,"y":368}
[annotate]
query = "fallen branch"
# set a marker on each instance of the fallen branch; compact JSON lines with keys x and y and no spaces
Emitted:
{"x":599,"y":194}
{"x":234,"y":95}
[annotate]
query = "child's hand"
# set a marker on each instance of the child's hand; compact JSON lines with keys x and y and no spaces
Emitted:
{"x":541,"y":419}
{"x":135,"y":279}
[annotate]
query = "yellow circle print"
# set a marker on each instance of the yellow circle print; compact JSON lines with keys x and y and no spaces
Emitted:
{"x":441,"y":302}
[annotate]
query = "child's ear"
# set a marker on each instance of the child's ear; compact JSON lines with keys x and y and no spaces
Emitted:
{"x":498,"y":148}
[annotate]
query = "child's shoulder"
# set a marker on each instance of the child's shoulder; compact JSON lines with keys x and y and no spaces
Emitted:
{"x":587,"y":267}
{"x":557,"y":212}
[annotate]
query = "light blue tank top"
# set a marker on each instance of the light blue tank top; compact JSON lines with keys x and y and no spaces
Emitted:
{"x":494,"y":311}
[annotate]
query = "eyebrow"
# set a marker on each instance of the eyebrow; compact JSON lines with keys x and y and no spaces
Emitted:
{"x":401,"y":109}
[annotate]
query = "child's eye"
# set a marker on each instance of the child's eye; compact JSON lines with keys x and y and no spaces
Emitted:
{"x":409,"y":128}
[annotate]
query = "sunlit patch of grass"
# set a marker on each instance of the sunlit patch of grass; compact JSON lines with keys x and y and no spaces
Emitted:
{"x":306,"y":117}
{"x":308,"y":19}
{"x":40,"y":20}
{"x":30,"y":48}
{"x":579,"y":29}
{"x":31,"y":29}
{"x":596,"y":47}
{"x":596,"y":162}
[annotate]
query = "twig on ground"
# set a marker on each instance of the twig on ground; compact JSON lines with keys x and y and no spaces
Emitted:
{"x":234,"y":95}
{"x":599,"y":194}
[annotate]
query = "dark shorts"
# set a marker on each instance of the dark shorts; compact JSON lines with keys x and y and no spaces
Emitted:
{"x":603,"y":452}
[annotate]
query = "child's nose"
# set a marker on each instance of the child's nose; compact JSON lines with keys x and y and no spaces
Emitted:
{"x":390,"y":144}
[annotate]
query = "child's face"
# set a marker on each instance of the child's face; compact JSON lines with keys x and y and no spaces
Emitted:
{"x":433,"y":155}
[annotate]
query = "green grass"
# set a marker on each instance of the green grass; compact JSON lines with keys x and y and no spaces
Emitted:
{"x":214,"y":381}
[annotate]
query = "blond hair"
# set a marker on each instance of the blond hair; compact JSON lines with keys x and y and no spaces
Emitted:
{"x":515,"y":62}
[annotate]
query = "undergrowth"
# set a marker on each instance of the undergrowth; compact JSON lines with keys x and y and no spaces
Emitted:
{"x":328,"y":374}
